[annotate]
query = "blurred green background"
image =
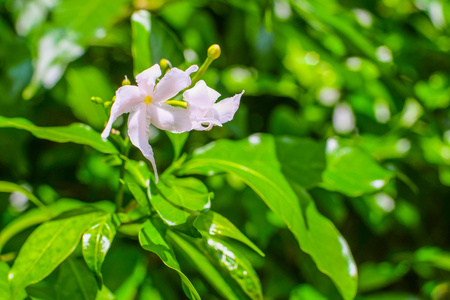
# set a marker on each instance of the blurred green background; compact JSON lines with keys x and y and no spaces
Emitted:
{"x":374,"y":75}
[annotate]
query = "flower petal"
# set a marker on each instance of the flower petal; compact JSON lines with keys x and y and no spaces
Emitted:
{"x":138,"y":126}
{"x":127,"y":97}
{"x":201,"y":95}
{"x":172,"y":83}
{"x":167,"y":117}
{"x":146,"y":79}
{"x":224,"y":110}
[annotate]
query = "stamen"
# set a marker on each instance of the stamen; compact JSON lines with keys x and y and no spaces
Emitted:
{"x":148,"y":100}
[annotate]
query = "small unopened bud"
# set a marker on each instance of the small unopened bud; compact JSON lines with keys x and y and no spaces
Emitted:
{"x":97,"y":100}
{"x":165,"y":64}
{"x":126,"y":81}
{"x":214,"y":51}
{"x":107,"y":104}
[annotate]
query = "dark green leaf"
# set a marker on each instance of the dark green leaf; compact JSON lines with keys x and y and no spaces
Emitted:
{"x":76,"y":133}
{"x":254,"y":161}
{"x":75,"y":281}
{"x":152,"y":239}
{"x":213,"y":223}
{"x":178,"y":140}
{"x":48,"y":246}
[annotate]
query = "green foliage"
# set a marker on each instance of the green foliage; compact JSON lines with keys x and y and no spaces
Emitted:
{"x":342,"y":132}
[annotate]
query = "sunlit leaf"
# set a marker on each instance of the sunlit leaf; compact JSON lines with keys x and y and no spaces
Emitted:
{"x":96,"y":242}
{"x":5,"y":289}
{"x":213,"y":223}
{"x":205,"y":267}
{"x":254,"y":161}
{"x":152,"y":239}
{"x":75,"y":133}
{"x":139,"y":195}
{"x":374,"y":276}
{"x":9,"y":187}
{"x":352,"y":171}
{"x":305,"y":291}
{"x":49,"y":245}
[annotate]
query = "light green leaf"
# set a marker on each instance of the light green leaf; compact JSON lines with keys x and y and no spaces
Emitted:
{"x":5,"y":289}
{"x":305,"y":291}
{"x":189,"y":192}
{"x":178,"y":140}
{"x":303,"y":160}
{"x":76,"y":133}
{"x":352,"y":171}
{"x":203,"y":264}
{"x":152,"y":239}
{"x":140,"y":47}
{"x":9,"y":187}
{"x":96,"y":243}
{"x":213,"y":223}
{"x":48,"y":246}
{"x":236,"y":265}
{"x":105,"y":294}
{"x":36,"y":216}
{"x":171,"y":214}
{"x":254,"y":161}
{"x":75,"y":281}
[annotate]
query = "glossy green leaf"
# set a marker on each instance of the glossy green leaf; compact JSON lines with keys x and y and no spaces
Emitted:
{"x":170,"y":213}
{"x":48,"y":246}
{"x":75,"y":281}
{"x":76,"y":133}
{"x":9,"y":187}
{"x":96,"y":242}
{"x":152,"y":239}
{"x":254,"y":161}
{"x":373,"y":276}
{"x":301,"y":159}
{"x":189,"y":192}
{"x":36,"y":216}
{"x":5,"y":289}
{"x":178,"y":140}
{"x":236,"y":265}
{"x":213,"y":223}
{"x":204,"y":266}
{"x":352,"y":171}
{"x":140,"y":46}
{"x":139,"y":195}
{"x":139,"y":172}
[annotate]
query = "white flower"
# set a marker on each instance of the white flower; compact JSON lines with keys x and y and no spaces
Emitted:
{"x":202,"y":111}
{"x":145,"y":103}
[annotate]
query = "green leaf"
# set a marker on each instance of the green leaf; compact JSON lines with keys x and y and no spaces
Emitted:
{"x":36,"y":216}
{"x":373,"y":276}
{"x":76,"y":133}
{"x":305,"y":291}
{"x":254,"y":161}
{"x":48,"y":246}
{"x":75,"y":281}
{"x":152,"y":239}
{"x":139,"y":195}
{"x":170,"y":213}
{"x":213,"y":223}
{"x":301,"y":159}
{"x":214,"y":277}
{"x":178,"y":140}
{"x":140,"y":46}
{"x":5,"y":289}
{"x":352,"y":171}
{"x":83,"y":84}
{"x":96,"y":243}
{"x":189,"y":192}
{"x":236,"y":265}
{"x":9,"y":187}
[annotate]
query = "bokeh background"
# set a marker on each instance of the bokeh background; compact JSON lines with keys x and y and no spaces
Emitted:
{"x":375,"y":73}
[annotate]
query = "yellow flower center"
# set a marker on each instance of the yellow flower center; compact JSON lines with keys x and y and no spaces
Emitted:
{"x":148,"y":100}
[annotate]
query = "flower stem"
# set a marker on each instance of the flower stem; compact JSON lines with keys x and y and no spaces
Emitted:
{"x":119,"y":195}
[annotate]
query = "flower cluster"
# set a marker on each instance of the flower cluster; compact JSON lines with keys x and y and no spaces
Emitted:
{"x":148,"y":103}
